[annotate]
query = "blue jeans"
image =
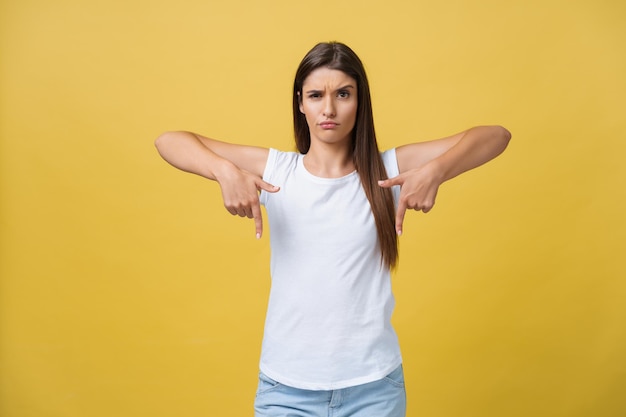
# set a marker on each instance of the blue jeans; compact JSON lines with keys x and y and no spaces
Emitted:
{"x":382,"y":398}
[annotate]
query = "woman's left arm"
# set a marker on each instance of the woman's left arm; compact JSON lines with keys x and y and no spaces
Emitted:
{"x":425,"y":166}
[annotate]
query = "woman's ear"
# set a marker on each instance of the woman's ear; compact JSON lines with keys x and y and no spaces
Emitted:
{"x":300,"y":102}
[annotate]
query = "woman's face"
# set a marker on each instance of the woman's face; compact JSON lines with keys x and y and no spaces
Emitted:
{"x":329,"y":102}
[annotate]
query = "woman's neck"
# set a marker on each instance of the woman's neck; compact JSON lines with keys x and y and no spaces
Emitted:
{"x":329,"y":161}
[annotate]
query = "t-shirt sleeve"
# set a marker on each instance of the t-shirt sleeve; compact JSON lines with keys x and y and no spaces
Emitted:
{"x":268,"y":173}
{"x":391,"y":165}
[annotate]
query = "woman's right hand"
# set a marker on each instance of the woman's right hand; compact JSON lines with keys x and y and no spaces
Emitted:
{"x":238,"y":169}
{"x":240,"y":192}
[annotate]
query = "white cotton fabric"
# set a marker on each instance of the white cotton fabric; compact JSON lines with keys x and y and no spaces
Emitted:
{"x":328,"y":323}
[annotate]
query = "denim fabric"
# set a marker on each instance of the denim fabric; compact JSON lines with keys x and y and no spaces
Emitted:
{"x":382,"y":398}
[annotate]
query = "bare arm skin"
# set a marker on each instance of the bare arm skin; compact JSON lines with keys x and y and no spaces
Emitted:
{"x":425,"y":166}
{"x":237,"y":168}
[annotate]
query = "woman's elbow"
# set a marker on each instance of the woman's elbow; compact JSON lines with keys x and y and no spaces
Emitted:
{"x":502,"y":136}
{"x":503,"y":133}
{"x":506,"y":133}
{"x":163,"y":139}
{"x":168,"y":141}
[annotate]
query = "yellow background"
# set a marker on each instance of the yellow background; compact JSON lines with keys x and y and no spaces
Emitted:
{"x":127,"y":290}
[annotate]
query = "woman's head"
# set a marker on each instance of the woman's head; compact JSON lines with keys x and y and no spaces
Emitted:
{"x":365,"y":153}
{"x":336,"y":56}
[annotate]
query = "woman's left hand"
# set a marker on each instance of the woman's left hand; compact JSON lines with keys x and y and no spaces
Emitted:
{"x":418,"y":191}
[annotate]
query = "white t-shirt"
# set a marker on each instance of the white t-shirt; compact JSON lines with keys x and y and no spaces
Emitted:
{"x":328,"y":323}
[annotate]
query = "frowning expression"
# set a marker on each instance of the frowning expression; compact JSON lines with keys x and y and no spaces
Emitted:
{"x":329,"y":103}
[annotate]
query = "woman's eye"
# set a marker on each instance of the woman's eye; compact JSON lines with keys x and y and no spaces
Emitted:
{"x":343,"y":94}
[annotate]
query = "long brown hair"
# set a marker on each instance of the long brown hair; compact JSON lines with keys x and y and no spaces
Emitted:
{"x":365,"y":152}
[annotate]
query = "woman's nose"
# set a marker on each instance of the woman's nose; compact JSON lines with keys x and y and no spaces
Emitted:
{"x":329,"y":107}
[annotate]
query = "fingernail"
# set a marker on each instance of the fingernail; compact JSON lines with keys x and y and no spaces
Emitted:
{"x":258,"y":235}
{"x":380,"y":182}
{"x":399,"y":232}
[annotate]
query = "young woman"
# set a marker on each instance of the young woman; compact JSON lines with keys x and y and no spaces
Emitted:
{"x":336,"y":209}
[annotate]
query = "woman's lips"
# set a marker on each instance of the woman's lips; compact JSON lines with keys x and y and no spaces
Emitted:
{"x":328,"y":125}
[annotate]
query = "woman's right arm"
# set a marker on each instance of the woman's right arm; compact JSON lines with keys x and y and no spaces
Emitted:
{"x":237,"y":168}
{"x":200,"y":155}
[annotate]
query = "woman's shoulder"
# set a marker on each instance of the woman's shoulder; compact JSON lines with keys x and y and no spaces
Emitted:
{"x":279,"y":162}
{"x":390,"y":160}
{"x":279,"y":157}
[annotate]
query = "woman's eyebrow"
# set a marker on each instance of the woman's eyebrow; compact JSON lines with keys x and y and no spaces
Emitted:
{"x":345,"y":87}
